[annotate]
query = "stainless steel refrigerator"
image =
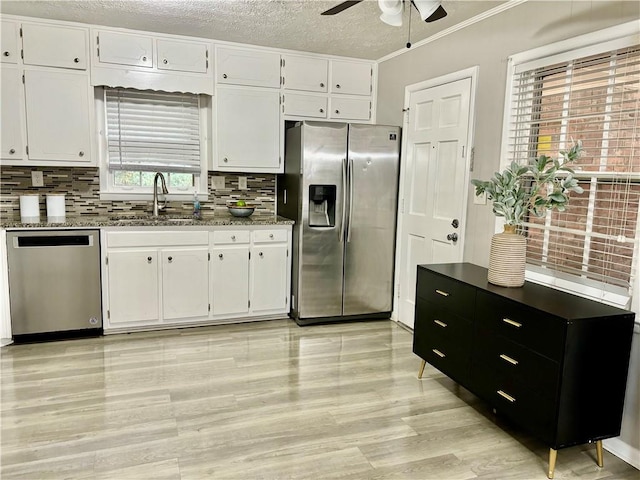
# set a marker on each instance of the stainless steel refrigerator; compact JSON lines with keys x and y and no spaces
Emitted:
{"x":341,"y":187}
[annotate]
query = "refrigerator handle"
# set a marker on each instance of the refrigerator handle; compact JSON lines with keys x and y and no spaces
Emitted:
{"x":350,"y":199}
{"x":344,"y":198}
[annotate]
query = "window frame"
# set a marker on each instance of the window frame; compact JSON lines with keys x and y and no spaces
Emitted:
{"x":617,"y":37}
{"x":110,"y":191}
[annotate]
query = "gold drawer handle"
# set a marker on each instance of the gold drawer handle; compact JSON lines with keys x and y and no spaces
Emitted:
{"x":440,"y":292}
{"x":512,"y":322}
{"x":439,"y":353}
{"x":507,"y":396}
{"x":439,"y":323}
{"x":507,"y":358}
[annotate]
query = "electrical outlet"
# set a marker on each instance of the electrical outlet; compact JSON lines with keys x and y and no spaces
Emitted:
{"x":217,"y":182}
{"x":37,"y":179}
{"x":480,"y":199}
{"x":242,"y":183}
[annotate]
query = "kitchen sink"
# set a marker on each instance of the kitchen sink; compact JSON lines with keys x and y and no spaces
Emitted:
{"x":158,"y":220}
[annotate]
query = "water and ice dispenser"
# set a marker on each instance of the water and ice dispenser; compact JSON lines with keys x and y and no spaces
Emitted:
{"x":322,"y":205}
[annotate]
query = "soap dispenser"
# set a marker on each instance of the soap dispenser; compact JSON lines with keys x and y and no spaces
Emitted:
{"x":197,"y":213}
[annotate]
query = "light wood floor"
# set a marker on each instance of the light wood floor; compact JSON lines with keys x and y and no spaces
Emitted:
{"x":259,"y":400}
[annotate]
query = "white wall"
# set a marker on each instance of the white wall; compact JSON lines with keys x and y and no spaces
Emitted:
{"x":488,"y":44}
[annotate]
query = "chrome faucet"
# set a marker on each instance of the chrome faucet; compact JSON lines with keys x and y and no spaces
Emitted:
{"x":156,"y":206}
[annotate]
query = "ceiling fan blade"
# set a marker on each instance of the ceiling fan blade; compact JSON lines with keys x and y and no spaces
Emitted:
{"x":437,"y":15}
{"x":340,"y":7}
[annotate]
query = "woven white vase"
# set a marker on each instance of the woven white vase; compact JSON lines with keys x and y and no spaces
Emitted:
{"x":507,"y":258}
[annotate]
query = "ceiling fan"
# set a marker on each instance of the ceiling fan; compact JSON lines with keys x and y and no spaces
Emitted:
{"x":429,"y":10}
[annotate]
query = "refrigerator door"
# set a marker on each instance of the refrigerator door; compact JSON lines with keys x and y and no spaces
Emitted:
{"x":323,"y":165}
{"x":374,"y":153}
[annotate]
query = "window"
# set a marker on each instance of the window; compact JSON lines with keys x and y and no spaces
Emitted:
{"x":591,"y":95}
{"x":148,"y":132}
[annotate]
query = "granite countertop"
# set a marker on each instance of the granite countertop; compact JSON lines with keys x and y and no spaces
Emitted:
{"x":89,"y":221}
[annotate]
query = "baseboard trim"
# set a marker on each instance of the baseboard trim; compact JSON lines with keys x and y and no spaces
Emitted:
{"x":623,"y":450}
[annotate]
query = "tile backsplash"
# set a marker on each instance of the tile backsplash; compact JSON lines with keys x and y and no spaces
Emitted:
{"x":82,"y":189}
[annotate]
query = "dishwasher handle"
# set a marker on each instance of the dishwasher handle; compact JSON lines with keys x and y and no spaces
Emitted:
{"x":53,"y":241}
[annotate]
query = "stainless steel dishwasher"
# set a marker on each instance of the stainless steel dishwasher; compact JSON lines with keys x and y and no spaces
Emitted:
{"x":54,"y":281}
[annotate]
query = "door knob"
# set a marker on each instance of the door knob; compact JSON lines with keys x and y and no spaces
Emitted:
{"x":455,"y":223}
{"x":453,"y":237}
{"x":170,"y":259}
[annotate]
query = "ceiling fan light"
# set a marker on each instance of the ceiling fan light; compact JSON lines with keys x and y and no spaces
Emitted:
{"x":391,"y":12}
{"x":426,"y":8}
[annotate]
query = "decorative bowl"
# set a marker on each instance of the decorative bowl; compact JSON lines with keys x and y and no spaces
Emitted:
{"x":240,"y":211}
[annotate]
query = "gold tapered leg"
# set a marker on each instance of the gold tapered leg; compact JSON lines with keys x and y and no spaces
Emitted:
{"x":421,"y":368}
{"x":599,"y":458}
{"x":553,"y":454}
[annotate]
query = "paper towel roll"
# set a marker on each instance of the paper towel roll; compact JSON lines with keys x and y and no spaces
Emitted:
{"x":55,"y":208}
{"x":30,"y":208}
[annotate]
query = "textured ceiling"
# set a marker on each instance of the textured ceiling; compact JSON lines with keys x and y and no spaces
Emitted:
{"x":287,"y":24}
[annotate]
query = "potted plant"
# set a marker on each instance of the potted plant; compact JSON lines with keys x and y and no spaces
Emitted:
{"x":543,"y":184}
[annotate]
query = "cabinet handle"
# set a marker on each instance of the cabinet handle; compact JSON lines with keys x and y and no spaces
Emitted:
{"x":440,"y":324}
{"x":12,"y":151}
{"x":337,"y":111}
{"x":438,"y":352}
{"x":6,"y":54}
{"x":144,"y":59}
{"x":220,"y":256}
{"x":233,"y":237}
{"x":225,"y":159}
{"x":76,"y":60}
{"x":224,"y":75}
{"x":337,"y":85}
{"x":508,"y":359}
{"x":260,"y":254}
{"x":512,"y":322}
{"x":81,"y":153}
{"x":440,"y":292}
{"x":149,"y":259}
{"x":165,"y":61}
{"x":322,"y":110}
{"x":321,"y":84}
{"x":170,"y":259}
{"x":506,"y":395}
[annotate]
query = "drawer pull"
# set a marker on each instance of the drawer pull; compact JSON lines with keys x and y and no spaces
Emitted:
{"x":440,"y":324}
{"x":512,"y":322}
{"x":507,"y":396}
{"x":440,"y":292}
{"x":507,"y":358}
{"x":438,"y":352}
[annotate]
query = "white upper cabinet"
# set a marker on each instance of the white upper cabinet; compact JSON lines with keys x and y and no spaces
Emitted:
{"x":305,"y":73}
{"x":11,"y":143}
{"x":9,"y":38}
{"x":301,"y":105}
{"x":182,"y":56}
{"x":254,"y":68}
{"x":55,"y":46}
{"x":58,"y":110}
{"x":125,"y":49}
{"x":351,"y":78}
{"x":350,"y":108}
{"x":247,"y":130}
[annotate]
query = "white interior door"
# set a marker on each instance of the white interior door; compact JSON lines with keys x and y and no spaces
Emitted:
{"x":434,"y":178}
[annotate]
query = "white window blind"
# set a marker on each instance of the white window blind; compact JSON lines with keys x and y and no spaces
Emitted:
{"x":152,"y":131}
{"x":595,"y":99}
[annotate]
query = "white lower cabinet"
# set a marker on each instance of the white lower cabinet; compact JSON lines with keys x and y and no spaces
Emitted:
{"x":269,"y":293}
{"x":230,"y":279}
{"x":185,"y":283}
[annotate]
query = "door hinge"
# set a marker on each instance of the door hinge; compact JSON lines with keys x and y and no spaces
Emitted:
{"x":249,"y":255}
{"x":248,"y":303}
{"x":106,"y":260}
{"x":280,"y":160}
{"x":97,"y":39}
{"x":209,"y":307}
{"x":208,"y":257}
{"x":108,"y":313}
{"x":27,"y":149}
{"x":281,"y":99}
{"x":22,"y":53}
{"x":23,"y":78}
{"x":20,"y":32}
{"x":283,"y":62}
{"x":206,"y":54}
{"x":98,"y":51}
{"x":287,"y":252}
{"x":207,"y":64}
{"x":283,"y":80}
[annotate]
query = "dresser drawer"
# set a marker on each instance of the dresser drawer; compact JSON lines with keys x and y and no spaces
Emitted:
{"x":436,"y":322}
{"x":514,"y":364}
{"x":527,"y":326}
{"x":446,"y":293}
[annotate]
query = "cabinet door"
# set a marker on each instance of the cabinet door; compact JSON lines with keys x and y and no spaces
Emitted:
{"x":247,"y":67}
{"x":11,"y":143}
{"x":183,"y":56}
{"x":133,"y":286}
{"x":248,"y":129}
{"x":58,"y":109}
{"x":53,"y":46}
{"x":351,"y":78}
{"x":125,"y":49}
{"x":185,"y":283}
{"x":350,"y":108}
{"x":230,"y":280}
{"x":269,"y":278}
{"x":305,"y":105}
{"x":305,"y":73}
{"x":9,"y":39}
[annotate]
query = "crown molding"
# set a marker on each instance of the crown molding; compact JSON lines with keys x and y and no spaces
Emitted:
{"x":459,"y":26}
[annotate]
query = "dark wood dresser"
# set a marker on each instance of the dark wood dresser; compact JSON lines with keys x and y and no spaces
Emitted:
{"x":554,"y":363}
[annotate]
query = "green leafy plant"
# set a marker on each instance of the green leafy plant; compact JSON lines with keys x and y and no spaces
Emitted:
{"x":544,"y":184}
